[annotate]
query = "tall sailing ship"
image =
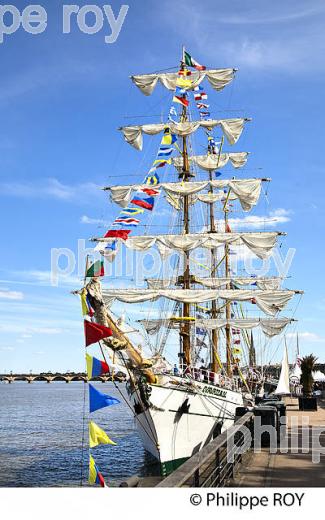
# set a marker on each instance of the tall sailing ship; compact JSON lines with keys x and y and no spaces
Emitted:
{"x":186,"y":379}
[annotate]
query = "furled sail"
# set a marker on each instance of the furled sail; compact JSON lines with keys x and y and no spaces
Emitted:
{"x":265,"y":284}
{"x":232,"y":128}
{"x":270,"y":327}
{"x":247,"y":191}
{"x":260,"y":243}
{"x":218,"y":79}
{"x":213,"y":161}
{"x":270,"y":302}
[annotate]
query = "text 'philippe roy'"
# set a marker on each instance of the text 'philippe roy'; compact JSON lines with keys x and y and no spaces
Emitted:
{"x":89,"y":19}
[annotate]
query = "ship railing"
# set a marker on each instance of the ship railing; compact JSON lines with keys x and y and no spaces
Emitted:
{"x":213,"y":378}
{"x":215,"y":465}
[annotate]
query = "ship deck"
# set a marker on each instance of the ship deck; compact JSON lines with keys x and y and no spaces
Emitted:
{"x":293,"y":468}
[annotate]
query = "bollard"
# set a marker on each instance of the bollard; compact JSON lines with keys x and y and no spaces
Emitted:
{"x":282,"y":412}
{"x":240,"y":412}
{"x":131,"y":482}
{"x":268,"y":416}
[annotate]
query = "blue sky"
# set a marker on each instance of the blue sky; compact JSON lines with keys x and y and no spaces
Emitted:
{"x":62,"y":97}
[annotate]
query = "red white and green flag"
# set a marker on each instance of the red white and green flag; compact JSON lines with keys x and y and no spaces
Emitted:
{"x":96,"y":269}
{"x":191,"y":62}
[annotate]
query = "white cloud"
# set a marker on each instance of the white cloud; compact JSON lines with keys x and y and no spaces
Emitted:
{"x":50,"y":188}
{"x":46,"y":277}
{"x":46,"y":330}
{"x":308,"y":336}
{"x":11,"y":295}
{"x":254,"y":16}
{"x":95,"y":221}
{"x":26,"y":330}
{"x":278,"y":216}
{"x":284,"y":36}
{"x":6,"y":349}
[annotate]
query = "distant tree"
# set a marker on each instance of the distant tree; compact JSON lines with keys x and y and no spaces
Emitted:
{"x":306,"y":379}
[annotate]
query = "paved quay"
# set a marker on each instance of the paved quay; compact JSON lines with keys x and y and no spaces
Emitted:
{"x":296,"y":467}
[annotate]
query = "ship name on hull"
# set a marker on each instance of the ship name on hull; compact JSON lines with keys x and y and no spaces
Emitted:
{"x":214,"y":391}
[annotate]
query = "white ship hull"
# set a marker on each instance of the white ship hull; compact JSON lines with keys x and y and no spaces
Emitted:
{"x":178,"y":421}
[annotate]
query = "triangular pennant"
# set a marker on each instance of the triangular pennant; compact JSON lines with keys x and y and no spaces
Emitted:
{"x":98,"y":436}
{"x":95,"y":332}
{"x":98,"y":400}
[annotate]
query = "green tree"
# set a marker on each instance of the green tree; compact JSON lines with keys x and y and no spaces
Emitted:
{"x":306,"y":379}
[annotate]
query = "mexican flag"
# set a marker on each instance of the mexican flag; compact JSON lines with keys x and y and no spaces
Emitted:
{"x":191,"y":62}
{"x":96,"y":269}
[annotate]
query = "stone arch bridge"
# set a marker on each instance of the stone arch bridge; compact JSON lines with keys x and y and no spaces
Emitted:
{"x":50,"y":378}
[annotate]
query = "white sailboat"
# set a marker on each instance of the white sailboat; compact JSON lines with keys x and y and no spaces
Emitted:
{"x":178,"y":410}
{"x":283,"y":387}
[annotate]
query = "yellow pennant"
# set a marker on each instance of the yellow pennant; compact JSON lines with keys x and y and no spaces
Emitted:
{"x":84,"y":305}
{"x":98,"y":436}
{"x":163,"y":161}
{"x":182,"y":82}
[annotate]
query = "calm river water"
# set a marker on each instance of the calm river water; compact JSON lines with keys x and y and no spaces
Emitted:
{"x":41,"y":430}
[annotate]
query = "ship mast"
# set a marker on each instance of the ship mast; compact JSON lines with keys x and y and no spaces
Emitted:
{"x":215,"y":332}
{"x":252,"y":352}
{"x":185,"y":174}
{"x":228,"y":304}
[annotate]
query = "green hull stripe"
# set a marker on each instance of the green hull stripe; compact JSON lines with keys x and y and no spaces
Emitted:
{"x":170,"y":466}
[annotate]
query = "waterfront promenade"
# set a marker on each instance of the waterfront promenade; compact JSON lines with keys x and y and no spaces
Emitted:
{"x":294,"y":468}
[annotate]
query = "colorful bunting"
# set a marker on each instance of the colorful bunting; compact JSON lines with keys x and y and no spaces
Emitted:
{"x":202,"y":105}
{"x":120,"y":233}
{"x":125,"y":217}
{"x":180,"y":91}
{"x":96,"y":367}
{"x":182,"y":82}
{"x":199,"y":93}
{"x":146,"y":203}
{"x":87,"y":309}
{"x":184,"y":72}
{"x":98,"y":400}
{"x":98,"y":436}
{"x":172,"y":112}
{"x":152,"y":180}
{"x":126,"y":221}
{"x":182,"y":100}
{"x":165,"y":151}
{"x":132,"y":211}
{"x":168,"y":137}
{"x":162,"y":162}
{"x":227,"y":228}
{"x":95,"y":332}
{"x":95,"y":477}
